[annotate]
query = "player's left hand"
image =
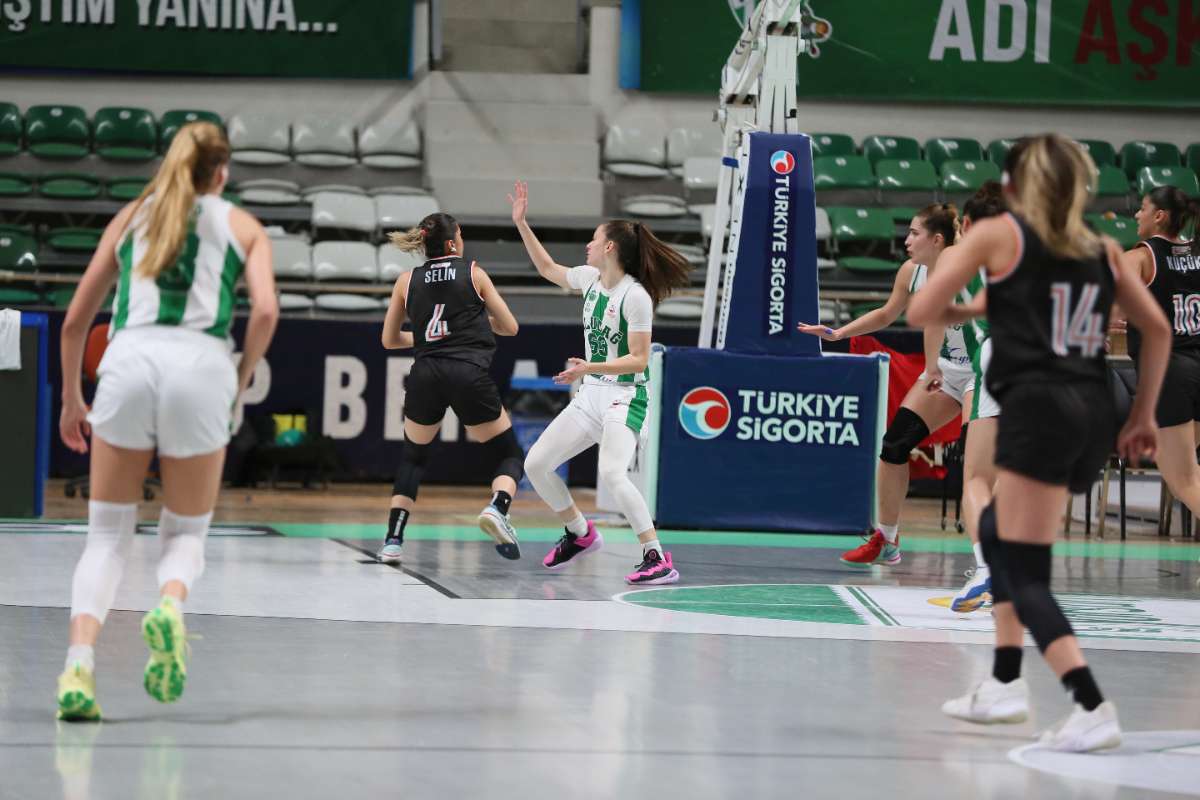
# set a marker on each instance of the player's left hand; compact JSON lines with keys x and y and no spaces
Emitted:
{"x":576,"y":369}
{"x":1138,"y":440}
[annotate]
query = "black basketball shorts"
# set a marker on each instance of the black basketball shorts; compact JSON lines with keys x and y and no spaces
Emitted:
{"x":1057,"y":433}
{"x":435,"y":384}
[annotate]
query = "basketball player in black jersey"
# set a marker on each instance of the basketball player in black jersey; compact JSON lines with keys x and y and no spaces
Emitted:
{"x":455,"y":309}
{"x":1170,"y":266}
{"x":1051,"y":286}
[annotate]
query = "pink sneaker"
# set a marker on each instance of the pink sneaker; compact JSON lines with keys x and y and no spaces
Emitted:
{"x":655,"y":568}
{"x":571,"y":545}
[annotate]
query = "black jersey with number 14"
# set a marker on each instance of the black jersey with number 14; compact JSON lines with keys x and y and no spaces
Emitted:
{"x":1048,"y":316}
{"x":448,"y":316}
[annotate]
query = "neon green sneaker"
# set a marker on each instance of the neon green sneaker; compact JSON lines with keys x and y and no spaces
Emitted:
{"x":165,"y":635}
{"x":77,"y":695}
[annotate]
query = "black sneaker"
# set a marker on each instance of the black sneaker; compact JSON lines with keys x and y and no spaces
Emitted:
{"x":571,"y":545}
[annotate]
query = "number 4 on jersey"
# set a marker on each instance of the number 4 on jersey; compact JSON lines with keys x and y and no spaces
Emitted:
{"x":1084,"y":330}
{"x":437,"y":328}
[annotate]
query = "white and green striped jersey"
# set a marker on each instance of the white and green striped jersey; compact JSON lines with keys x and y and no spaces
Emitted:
{"x":197,"y":291}
{"x":609,"y":316}
{"x":961,"y":341}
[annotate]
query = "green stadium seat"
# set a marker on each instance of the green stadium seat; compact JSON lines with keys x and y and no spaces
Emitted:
{"x":904,"y":175}
{"x":1150,"y":178}
{"x":1192,"y":157}
{"x":60,"y":297}
{"x":125,"y":189}
{"x":832,"y":144}
{"x":14,"y":185}
{"x":69,"y":186}
{"x":1135,"y":155}
{"x":57,"y":132}
{"x":18,"y":252}
{"x":879,"y":147}
{"x":1101,"y":152}
{"x":1112,"y":182}
{"x":172,"y":121}
{"x":997,"y":150}
{"x":941,"y":149}
{"x":842,"y":172}
{"x":22,"y":230}
{"x":902,"y":214}
{"x":861,"y":231}
{"x":74,"y":240}
{"x":1123,"y":229}
{"x":19,"y":297}
{"x":874,"y":266}
{"x":968,"y":176}
{"x":125,"y":134}
{"x":10,"y":129}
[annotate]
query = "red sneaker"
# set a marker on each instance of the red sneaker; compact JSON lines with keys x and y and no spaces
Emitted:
{"x":875,"y":550}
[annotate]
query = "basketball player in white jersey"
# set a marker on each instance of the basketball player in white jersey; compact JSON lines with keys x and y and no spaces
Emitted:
{"x":628,"y":272}
{"x":168,"y":384}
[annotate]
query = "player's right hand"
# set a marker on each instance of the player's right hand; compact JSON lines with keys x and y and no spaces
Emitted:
{"x":73,"y":426}
{"x":825,"y":332}
{"x":520,"y":201}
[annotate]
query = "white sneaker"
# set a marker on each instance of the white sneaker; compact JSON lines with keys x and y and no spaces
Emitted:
{"x":975,"y":594}
{"x":497,"y":526}
{"x":1085,"y":731}
{"x":991,"y":702}
{"x":390,"y":552}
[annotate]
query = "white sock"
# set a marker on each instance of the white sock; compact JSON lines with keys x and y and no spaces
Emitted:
{"x":578,"y":526}
{"x":82,"y":654}
{"x":979,"y":562}
{"x":890,"y":532}
{"x":651,"y":545}
{"x":175,"y":601}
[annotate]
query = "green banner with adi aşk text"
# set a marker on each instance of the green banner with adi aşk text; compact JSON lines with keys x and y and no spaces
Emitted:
{"x":264,"y":38}
{"x":1079,"y":52}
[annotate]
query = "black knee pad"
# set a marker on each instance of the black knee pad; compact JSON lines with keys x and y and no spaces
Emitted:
{"x":505,"y":452}
{"x":993,"y":554}
{"x":413,"y":458}
{"x":906,"y":432}
{"x":1029,"y":582}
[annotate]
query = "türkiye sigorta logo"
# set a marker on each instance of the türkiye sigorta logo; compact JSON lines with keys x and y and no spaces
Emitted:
{"x":816,"y":29}
{"x":705,"y":412}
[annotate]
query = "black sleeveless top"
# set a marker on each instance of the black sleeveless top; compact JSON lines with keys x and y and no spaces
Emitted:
{"x":448,"y":316}
{"x":1048,"y":317}
{"x":1176,"y":287}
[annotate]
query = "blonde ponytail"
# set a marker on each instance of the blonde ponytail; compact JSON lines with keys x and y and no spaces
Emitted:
{"x":197,"y":153}
{"x":410,"y":241}
{"x":1052,"y":181}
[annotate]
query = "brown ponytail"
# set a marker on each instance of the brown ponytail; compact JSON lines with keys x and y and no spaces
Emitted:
{"x":941,"y":218}
{"x":197,"y":153}
{"x":1183,"y":213}
{"x":657,"y":266}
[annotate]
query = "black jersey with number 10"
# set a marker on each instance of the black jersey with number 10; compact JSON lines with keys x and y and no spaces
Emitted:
{"x":1048,"y":316}
{"x":448,"y":316}
{"x":1176,"y":287}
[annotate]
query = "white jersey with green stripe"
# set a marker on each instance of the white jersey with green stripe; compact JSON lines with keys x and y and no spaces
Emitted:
{"x":197,"y":291}
{"x":961,"y":341}
{"x":609,"y":316}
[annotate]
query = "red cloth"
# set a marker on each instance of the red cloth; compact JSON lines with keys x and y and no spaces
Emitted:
{"x":903,"y":372}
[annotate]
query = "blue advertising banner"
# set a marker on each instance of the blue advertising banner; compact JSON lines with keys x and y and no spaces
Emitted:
{"x":775,"y":276}
{"x":762,"y":443}
{"x":352,"y":390}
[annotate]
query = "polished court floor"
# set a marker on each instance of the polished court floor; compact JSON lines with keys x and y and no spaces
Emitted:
{"x":770,"y":670}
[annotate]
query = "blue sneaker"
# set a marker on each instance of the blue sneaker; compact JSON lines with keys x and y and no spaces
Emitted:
{"x":390,"y":552}
{"x":976,"y":593}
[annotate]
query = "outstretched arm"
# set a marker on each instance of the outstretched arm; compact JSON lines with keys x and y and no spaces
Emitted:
{"x":546,"y":266}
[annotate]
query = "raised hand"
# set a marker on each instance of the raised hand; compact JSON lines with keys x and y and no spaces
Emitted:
{"x":520,"y":201}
